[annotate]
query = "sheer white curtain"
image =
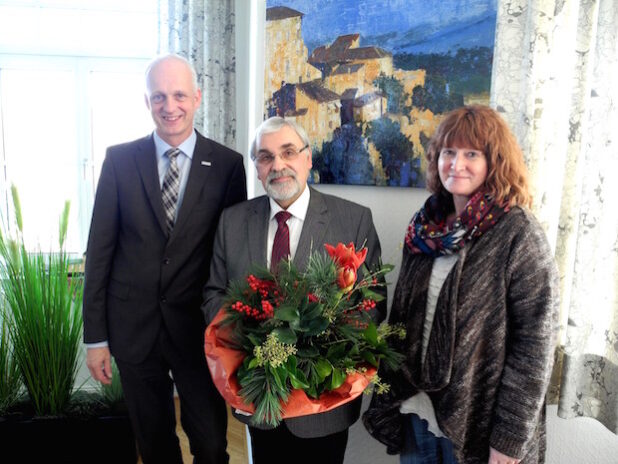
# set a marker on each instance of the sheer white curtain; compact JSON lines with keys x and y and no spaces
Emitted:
{"x":554,"y":80}
{"x":203,"y":32}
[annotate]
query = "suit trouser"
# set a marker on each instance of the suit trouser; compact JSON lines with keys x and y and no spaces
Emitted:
{"x":280,"y":446}
{"x":149,"y":389}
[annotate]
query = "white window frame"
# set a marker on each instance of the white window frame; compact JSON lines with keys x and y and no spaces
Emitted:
{"x":81,"y":66}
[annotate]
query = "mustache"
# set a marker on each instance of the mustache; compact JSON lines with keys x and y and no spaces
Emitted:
{"x":285,"y":172}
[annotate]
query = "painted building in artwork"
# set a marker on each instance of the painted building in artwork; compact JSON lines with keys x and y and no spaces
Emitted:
{"x":350,"y":71}
{"x":376,"y":61}
{"x":328,"y":57}
{"x":347,"y":105}
{"x":334,"y":85}
{"x":345,"y":51}
{"x":315,"y":108}
{"x":286,"y":56}
{"x":348,"y":76}
{"x":369,"y":107}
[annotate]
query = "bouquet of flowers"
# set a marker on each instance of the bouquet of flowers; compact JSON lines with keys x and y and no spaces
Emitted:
{"x":295,"y":343}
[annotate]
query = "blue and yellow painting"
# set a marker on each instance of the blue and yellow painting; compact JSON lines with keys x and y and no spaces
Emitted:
{"x":370,"y":80}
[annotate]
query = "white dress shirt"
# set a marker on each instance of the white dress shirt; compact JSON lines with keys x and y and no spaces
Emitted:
{"x":298,"y":210}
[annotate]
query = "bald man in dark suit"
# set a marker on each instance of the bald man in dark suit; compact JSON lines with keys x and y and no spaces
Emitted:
{"x":156,"y":210}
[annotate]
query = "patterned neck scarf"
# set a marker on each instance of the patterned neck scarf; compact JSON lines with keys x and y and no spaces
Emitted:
{"x":430,"y":234}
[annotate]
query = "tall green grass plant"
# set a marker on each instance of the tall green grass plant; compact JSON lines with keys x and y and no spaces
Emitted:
{"x":45,"y":323}
{"x":10,"y":379}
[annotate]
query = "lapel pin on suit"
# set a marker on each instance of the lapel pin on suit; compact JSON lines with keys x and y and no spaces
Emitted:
{"x":206,"y":163}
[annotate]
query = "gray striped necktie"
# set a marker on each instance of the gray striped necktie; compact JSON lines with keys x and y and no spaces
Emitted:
{"x":171,"y":185}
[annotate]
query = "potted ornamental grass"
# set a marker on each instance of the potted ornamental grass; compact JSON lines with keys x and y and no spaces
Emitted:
{"x":10,"y":379}
{"x":43,"y":416}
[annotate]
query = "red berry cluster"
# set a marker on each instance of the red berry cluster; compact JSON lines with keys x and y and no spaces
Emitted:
{"x":266,"y":312}
{"x":277,"y":298}
{"x":263,"y":307}
{"x":260,"y":286}
{"x":367,"y":305}
{"x":312,"y":298}
{"x":267,"y":309}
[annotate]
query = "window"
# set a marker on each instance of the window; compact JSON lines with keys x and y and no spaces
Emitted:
{"x":71,"y":84}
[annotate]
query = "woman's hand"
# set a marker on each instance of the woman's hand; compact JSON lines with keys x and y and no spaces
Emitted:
{"x":496,"y":457}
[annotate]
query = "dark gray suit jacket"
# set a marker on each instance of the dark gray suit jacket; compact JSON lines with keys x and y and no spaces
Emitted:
{"x":241,"y":242}
{"x":139,"y":277}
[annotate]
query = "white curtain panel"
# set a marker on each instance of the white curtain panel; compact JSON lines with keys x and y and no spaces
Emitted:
{"x":203,"y":32}
{"x":555,"y":80}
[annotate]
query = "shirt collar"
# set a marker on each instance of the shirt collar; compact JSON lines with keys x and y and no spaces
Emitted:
{"x":187,"y":147}
{"x":298,"y":209}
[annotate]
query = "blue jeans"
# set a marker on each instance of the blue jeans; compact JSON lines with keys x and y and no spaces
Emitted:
{"x":423,"y":447}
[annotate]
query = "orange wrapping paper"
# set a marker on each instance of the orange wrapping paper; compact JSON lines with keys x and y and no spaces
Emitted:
{"x":223,"y":363}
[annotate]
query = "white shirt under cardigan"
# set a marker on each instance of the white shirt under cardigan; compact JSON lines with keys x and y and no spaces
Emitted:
{"x":420,"y":404}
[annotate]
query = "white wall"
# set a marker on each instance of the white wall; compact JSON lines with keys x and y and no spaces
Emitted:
{"x":579,"y":441}
{"x":392,"y":209}
{"x":575,"y":441}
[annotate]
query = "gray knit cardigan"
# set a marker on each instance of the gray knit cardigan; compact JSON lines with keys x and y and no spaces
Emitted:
{"x":491,"y":346}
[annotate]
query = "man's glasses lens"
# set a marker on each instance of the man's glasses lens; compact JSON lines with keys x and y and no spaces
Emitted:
{"x":289,"y":154}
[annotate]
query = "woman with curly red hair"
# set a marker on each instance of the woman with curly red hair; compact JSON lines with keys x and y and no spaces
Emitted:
{"x":477,"y":292}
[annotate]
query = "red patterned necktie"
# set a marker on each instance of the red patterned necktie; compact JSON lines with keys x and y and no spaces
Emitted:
{"x":281,"y":244}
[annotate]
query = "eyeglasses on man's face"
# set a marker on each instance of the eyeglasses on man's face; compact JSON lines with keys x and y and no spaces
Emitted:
{"x":265,"y":158}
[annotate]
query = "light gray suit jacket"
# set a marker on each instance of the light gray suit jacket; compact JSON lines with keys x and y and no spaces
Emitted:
{"x":241,"y":242}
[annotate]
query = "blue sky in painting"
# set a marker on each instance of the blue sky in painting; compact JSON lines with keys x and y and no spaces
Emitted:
{"x":415,"y":26}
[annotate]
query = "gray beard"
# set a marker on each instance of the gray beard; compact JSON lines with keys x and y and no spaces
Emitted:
{"x":282,"y":192}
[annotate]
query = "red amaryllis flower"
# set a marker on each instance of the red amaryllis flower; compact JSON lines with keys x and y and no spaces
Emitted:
{"x":348,"y":260}
{"x":346,"y":277}
{"x":346,"y":256}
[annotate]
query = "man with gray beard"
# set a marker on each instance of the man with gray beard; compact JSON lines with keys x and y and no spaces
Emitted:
{"x":291,"y":220}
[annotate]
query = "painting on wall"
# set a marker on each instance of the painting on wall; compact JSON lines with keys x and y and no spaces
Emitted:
{"x":370,"y":80}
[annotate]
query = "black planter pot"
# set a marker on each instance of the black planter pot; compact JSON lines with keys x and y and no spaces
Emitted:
{"x":104,"y":438}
